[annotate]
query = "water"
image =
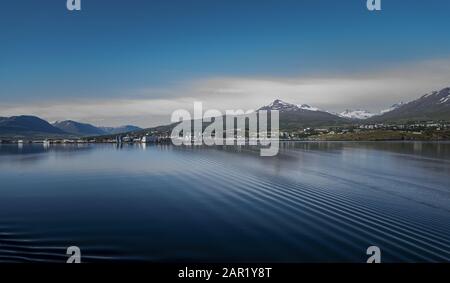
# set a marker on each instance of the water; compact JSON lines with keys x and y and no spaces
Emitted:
{"x":315,"y":202}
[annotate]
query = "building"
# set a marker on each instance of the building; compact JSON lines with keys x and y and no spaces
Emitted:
{"x":149,"y":139}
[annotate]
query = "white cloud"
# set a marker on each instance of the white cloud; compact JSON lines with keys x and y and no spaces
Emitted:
{"x":103,"y":112}
{"x":371,"y":90}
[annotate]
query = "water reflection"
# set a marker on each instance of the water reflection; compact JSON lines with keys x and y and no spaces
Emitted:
{"x":315,"y":201}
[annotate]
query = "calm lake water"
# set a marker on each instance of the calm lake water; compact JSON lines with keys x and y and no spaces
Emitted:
{"x":314,"y":202}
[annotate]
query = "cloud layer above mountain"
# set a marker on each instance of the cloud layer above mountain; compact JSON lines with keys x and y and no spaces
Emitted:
{"x":371,"y":90}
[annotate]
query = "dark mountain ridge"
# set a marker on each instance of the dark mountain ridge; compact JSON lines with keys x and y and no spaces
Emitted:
{"x":27,"y":126}
{"x":78,"y":129}
{"x":432,"y":106}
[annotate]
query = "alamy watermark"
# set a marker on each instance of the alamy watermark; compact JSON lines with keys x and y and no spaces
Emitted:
{"x":236,"y":127}
{"x":74,"y":254}
{"x":73,"y":5}
{"x":374,"y":254}
{"x":374,"y":5}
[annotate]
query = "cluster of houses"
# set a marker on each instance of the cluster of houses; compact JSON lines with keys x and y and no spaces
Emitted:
{"x":129,"y":138}
{"x":45,"y":141}
{"x":415,"y":127}
{"x":137,"y":139}
{"x":118,"y":139}
{"x":438,"y":126}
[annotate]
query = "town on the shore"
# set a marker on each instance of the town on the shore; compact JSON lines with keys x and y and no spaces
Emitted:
{"x":419,"y":130}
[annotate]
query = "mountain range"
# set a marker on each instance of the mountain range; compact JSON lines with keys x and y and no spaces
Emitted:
{"x":35,"y":127}
{"x":432,"y":106}
{"x":82,"y":129}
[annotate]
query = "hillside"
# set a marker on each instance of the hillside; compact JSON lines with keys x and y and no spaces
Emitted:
{"x":298,"y":117}
{"x":78,"y":129}
{"x":433,"y":106}
{"x":27,"y":126}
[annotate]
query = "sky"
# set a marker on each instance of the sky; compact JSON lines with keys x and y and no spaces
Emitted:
{"x":122,"y":62}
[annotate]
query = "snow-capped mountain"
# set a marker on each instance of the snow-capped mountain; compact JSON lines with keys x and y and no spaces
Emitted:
{"x":432,"y":106}
{"x":301,"y":116}
{"x":280,"y":105}
{"x":356,"y":114}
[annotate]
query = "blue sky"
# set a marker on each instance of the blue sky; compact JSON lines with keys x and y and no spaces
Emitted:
{"x":160,"y":50}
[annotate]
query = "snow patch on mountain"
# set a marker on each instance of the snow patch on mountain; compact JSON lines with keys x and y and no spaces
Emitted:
{"x":356,"y":114}
{"x":307,"y":107}
{"x":392,"y":108}
{"x":363,"y":114}
{"x":444,"y":99}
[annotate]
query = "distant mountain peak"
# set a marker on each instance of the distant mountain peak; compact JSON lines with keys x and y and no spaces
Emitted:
{"x":64,"y":122}
{"x":281,"y":105}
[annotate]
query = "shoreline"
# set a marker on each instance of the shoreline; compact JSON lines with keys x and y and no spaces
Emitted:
{"x":281,"y":141}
